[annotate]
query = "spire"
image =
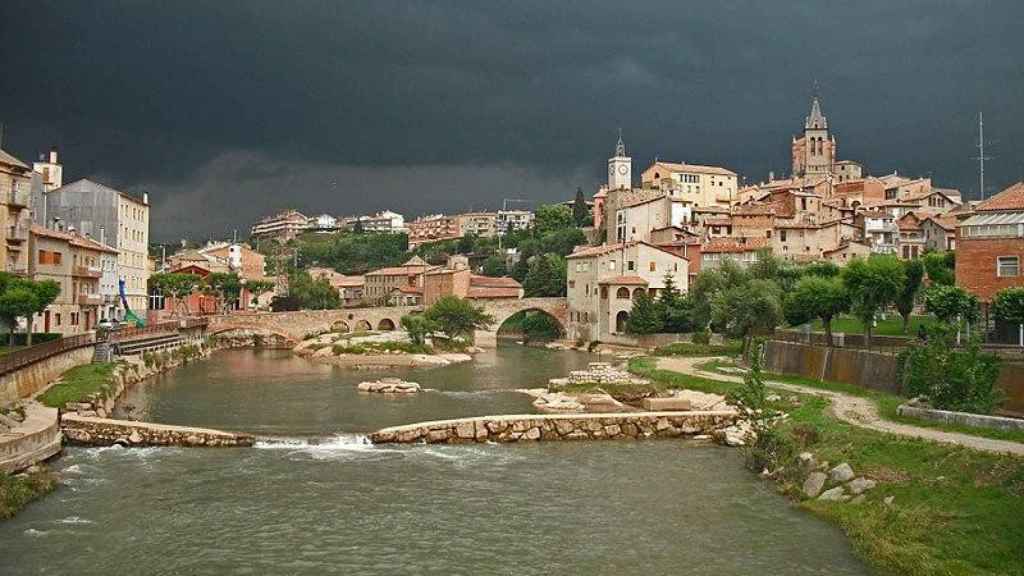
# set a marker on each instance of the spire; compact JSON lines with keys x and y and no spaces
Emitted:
{"x":816,"y":119}
{"x":620,"y":148}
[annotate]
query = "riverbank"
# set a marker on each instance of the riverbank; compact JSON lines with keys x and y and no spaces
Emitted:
{"x":937,"y":508}
{"x":19,"y":490}
{"x":380,"y":350}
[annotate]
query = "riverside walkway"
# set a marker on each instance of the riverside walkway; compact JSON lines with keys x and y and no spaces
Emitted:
{"x":855,"y":410}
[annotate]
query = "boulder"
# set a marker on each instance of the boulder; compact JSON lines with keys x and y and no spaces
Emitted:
{"x":807,"y":460}
{"x":841,"y":473}
{"x":834,"y":495}
{"x":814,"y":483}
{"x":860,"y":485}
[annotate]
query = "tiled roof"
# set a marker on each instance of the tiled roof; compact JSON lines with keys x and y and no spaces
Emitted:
{"x":494,"y":282}
{"x":592,"y":251}
{"x":734,"y":245}
{"x":482,"y":292}
{"x":844,"y":245}
{"x":754,"y":209}
{"x":410,"y":289}
{"x":399,"y":271}
{"x":624,"y":280}
{"x":946,"y":222}
{"x":73,"y":239}
{"x":6,"y":158}
{"x":1010,"y":199}
{"x":694,"y":168}
{"x":909,"y":221}
{"x":641,"y":201}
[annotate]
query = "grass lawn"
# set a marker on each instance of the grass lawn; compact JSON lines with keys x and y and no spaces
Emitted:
{"x":886,"y":402}
{"x":79,"y":383}
{"x":891,"y":326}
{"x":955,"y":511}
{"x":730,"y":348}
{"x":16,"y":492}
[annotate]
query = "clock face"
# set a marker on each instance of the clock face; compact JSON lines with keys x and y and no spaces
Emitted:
{"x":622,"y":170}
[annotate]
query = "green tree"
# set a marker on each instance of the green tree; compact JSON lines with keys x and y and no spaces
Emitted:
{"x":17,"y":301}
{"x":550,"y":217}
{"x":676,"y":308}
{"x":745,"y":308}
{"x":817,"y":297}
{"x":540,"y":326}
{"x":546,"y":277}
{"x":456,"y":317}
{"x":914,"y":271}
{"x":1008,"y":306}
{"x":226,"y":286}
{"x":952,"y":378}
{"x":176,"y":285}
{"x":312,"y":294}
{"x":873,"y":284}
{"x":494,"y":266}
{"x":823,"y":268}
{"x":418,"y":327}
{"x":580,"y":211}
{"x":940,"y":267}
{"x":258,"y":287}
{"x":357,"y":228}
{"x":708,"y":284}
{"x":646,"y":317}
{"x":44,"y":293}
{"x":951,"y":304}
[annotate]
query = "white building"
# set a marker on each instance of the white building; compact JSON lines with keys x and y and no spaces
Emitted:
{"x":384,"y":221}
{"x":323,"y":223}
{"x":509,"y":220}
{"x":603,"y":280}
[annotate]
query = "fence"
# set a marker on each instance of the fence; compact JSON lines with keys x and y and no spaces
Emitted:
{"x":128,"y":333}
{"x":883,"y":344}
{"x":21,"y":358}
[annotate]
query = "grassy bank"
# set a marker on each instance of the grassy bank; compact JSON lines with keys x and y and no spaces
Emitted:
{"x":20,"y":490}
{"x":79,"y":383}
{"x":954,"y":512}
{"x":730,"y":348}
{"x":891,"y":326}
{"x":887,"y":403}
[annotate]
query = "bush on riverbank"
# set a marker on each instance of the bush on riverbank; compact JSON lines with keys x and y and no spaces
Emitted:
{"x":19,"y":490}
{"x":731,"y":348}
{"x":953,"y":510}
{"x":381,"y":348}
{"x":79,"y":383}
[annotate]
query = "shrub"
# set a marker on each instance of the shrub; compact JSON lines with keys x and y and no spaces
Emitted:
{"x":770,"y":448}
{"x":699,"y":349}
{"x":702,"y":337}
{"x":960,"y":379}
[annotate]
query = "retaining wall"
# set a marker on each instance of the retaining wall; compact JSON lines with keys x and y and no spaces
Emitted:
{"x":859,"y":367}
{"x":519,"y":428}
{"x":30,"y":380}
{"x":89,"y":431}
{"x":37,"y":439}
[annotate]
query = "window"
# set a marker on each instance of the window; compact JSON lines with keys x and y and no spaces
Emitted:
{"x":1008,"y":266}
{"x":653,"y":266}
{"x":604,"y":292}
{"x":572,"y":283}
{"x":630,"y":265}
{"x":782,"y":235}
{"x":622,"y":293}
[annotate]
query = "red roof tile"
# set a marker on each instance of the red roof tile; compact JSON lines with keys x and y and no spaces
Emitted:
{"x":625,"y":280}
{"x":1011,"y":199}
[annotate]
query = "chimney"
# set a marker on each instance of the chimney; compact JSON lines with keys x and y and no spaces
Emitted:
{"x":145,"y":198}
{"x":103,"y":235}
{"x":53,"y":154}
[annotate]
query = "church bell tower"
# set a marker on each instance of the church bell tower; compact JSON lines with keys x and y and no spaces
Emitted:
{"x":620,"y":168}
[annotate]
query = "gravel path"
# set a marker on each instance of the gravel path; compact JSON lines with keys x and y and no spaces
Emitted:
{"x":854,"y":410}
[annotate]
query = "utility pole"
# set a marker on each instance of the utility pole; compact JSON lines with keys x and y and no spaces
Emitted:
{"x":981,"y":155}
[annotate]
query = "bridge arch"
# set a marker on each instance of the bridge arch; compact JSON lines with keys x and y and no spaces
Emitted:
{"x":363,"y":326}
{"x":340,"y":326}
{"x":386,"y":325}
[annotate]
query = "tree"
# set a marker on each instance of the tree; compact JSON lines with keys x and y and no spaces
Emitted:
{"x":951,"y":304}
{"x":258,"y":287}
{"x":823,"y":268}
{"x":44,"y":293}
{"x":494,"y":266}
{"x":817,"y":297}
{"x":456,"y":317}
{"x":357,"y":228}
{"x":940,"y":267}
{"x":1008,"y":306}
{"x":907,"y":297}
{"x":961,"y":379}
{"x":418,"y":327}
{"x":17,"y":301}
{"x":540,"y":326}
{"x":742,"y":309}
{"x":550,"y":217}
{"x":873,"y":284}
{"x":580,"y":210}
{"x":647,"y":316}
{"x":708,"y":284}
{"x":227,"y":286}
{"x":312,"y":294}
{"x":675,"y":307}
{"x":177,"y":285}
{"x":546,"y":277}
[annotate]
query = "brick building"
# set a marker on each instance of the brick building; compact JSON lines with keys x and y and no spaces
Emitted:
{"x":990,"y":245}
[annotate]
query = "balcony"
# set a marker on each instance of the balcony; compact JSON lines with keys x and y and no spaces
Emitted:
{"x":86,"y":272}
{"x":19,"y":198}
{"x":17,"y":233}
{"x":90,"y":299}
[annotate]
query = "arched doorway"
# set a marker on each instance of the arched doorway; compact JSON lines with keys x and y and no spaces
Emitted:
{"x":620,"y":321}
{"x":622,"y":293}
{"x":340,"y":326}
{"x":386,"y":325}
{"x":363,"y":326}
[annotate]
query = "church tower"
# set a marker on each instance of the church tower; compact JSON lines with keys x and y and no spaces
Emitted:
{"x":620,"y":168}
{"x":815,"y":152}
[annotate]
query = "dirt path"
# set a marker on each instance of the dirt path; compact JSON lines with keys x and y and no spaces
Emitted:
{"x":854,"y":410}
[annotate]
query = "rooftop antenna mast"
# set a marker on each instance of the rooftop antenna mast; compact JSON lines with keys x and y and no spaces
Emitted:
{"x":981,"y":157}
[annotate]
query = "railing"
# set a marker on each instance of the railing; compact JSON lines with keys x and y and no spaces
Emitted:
{"x":16,"y":232}
{"x":18,"y":197}
{"x":90,"y":299}
{"x":122,"y":334}
{"x":87,"y":271}
{"x":26,"y":356}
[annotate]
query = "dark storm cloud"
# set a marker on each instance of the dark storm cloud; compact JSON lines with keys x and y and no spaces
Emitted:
{"x":227,"y":110}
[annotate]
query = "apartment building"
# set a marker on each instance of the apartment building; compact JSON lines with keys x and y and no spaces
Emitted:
{"x":482,"y":224}
{"x":282,"y":227}
{"x":111,"y":217}
{"x":384,"y":221}
{"x":604,"y":280}
{"x":695,"y":184}
{"x":510,"y":220}
{"x":433,"y":228}
{"x":15,"y":213}
{"x":990,"y":245}
{"x":76,"y":264}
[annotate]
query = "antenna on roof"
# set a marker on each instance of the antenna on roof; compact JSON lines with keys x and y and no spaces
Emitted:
{"x":1,"y":135}
{"x":981,"y":155}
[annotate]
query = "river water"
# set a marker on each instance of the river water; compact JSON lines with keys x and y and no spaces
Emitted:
{"x":340,"y":506}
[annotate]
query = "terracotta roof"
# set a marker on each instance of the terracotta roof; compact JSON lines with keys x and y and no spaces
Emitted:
{"x":494,"y":282}
{"x":734,"y":245}
{"x":399,"y":271}
{"x":909,"y":221}
{"x":1010,"y":199}
{"x":591,"y":251}
{"x":6,"y":158}
{"x":946,"y":222}
{"x":844,"y":245}
{"x":624,"y":280}
{"x":754,"y":209}
{"x":73,"y":239}
{"x":410,"y":289}
{"x":641,"y":201}
{"x":696,"y":168}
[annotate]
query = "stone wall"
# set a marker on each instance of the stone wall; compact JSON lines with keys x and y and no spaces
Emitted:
{"x":863,"y":368}
{"x":37,"y":439}
{"x":89,"y":431}
{"x":519,"y":428}
{"x":32,"y":379}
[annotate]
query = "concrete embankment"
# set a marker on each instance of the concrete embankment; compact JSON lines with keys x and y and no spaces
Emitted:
{"x":35,"y":439}
{"x":90,"y":431}
{"x":520,"y":427}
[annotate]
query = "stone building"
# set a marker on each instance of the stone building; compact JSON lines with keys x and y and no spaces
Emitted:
{"x":693,"y":183}
{"x":482,"y":224}
{"x":939,"y":232}
{"x":76,"y":264}
{"x":15,"y":213}
{"x":990,"y":245}
{"x":282,"y":227}
{"x":815,"y":151}
{"x":434,"y":228}
{"x":112,"y":217}
{"x":603,"y":280}
{"x":403,"y":282}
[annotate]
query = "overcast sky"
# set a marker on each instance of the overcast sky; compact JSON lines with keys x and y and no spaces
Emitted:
{"x":225,"y":111}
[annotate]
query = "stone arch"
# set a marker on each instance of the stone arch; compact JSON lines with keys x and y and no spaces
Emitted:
{"x":363,"y":326}
{"x":503,"y":324}
{"x":622,"y":293}
{"x":386,"y":325}
{"x":637,"y":292}
{"x":339,"y":326}
{"x":620,"y":321}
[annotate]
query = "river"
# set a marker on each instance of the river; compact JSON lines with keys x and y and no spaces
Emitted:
{"x":336,"y":505}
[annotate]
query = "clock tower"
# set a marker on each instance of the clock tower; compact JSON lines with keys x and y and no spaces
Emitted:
{"x":620,"y":168}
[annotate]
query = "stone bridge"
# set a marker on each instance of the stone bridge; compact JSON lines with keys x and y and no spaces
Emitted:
{"x":294,"y":326}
